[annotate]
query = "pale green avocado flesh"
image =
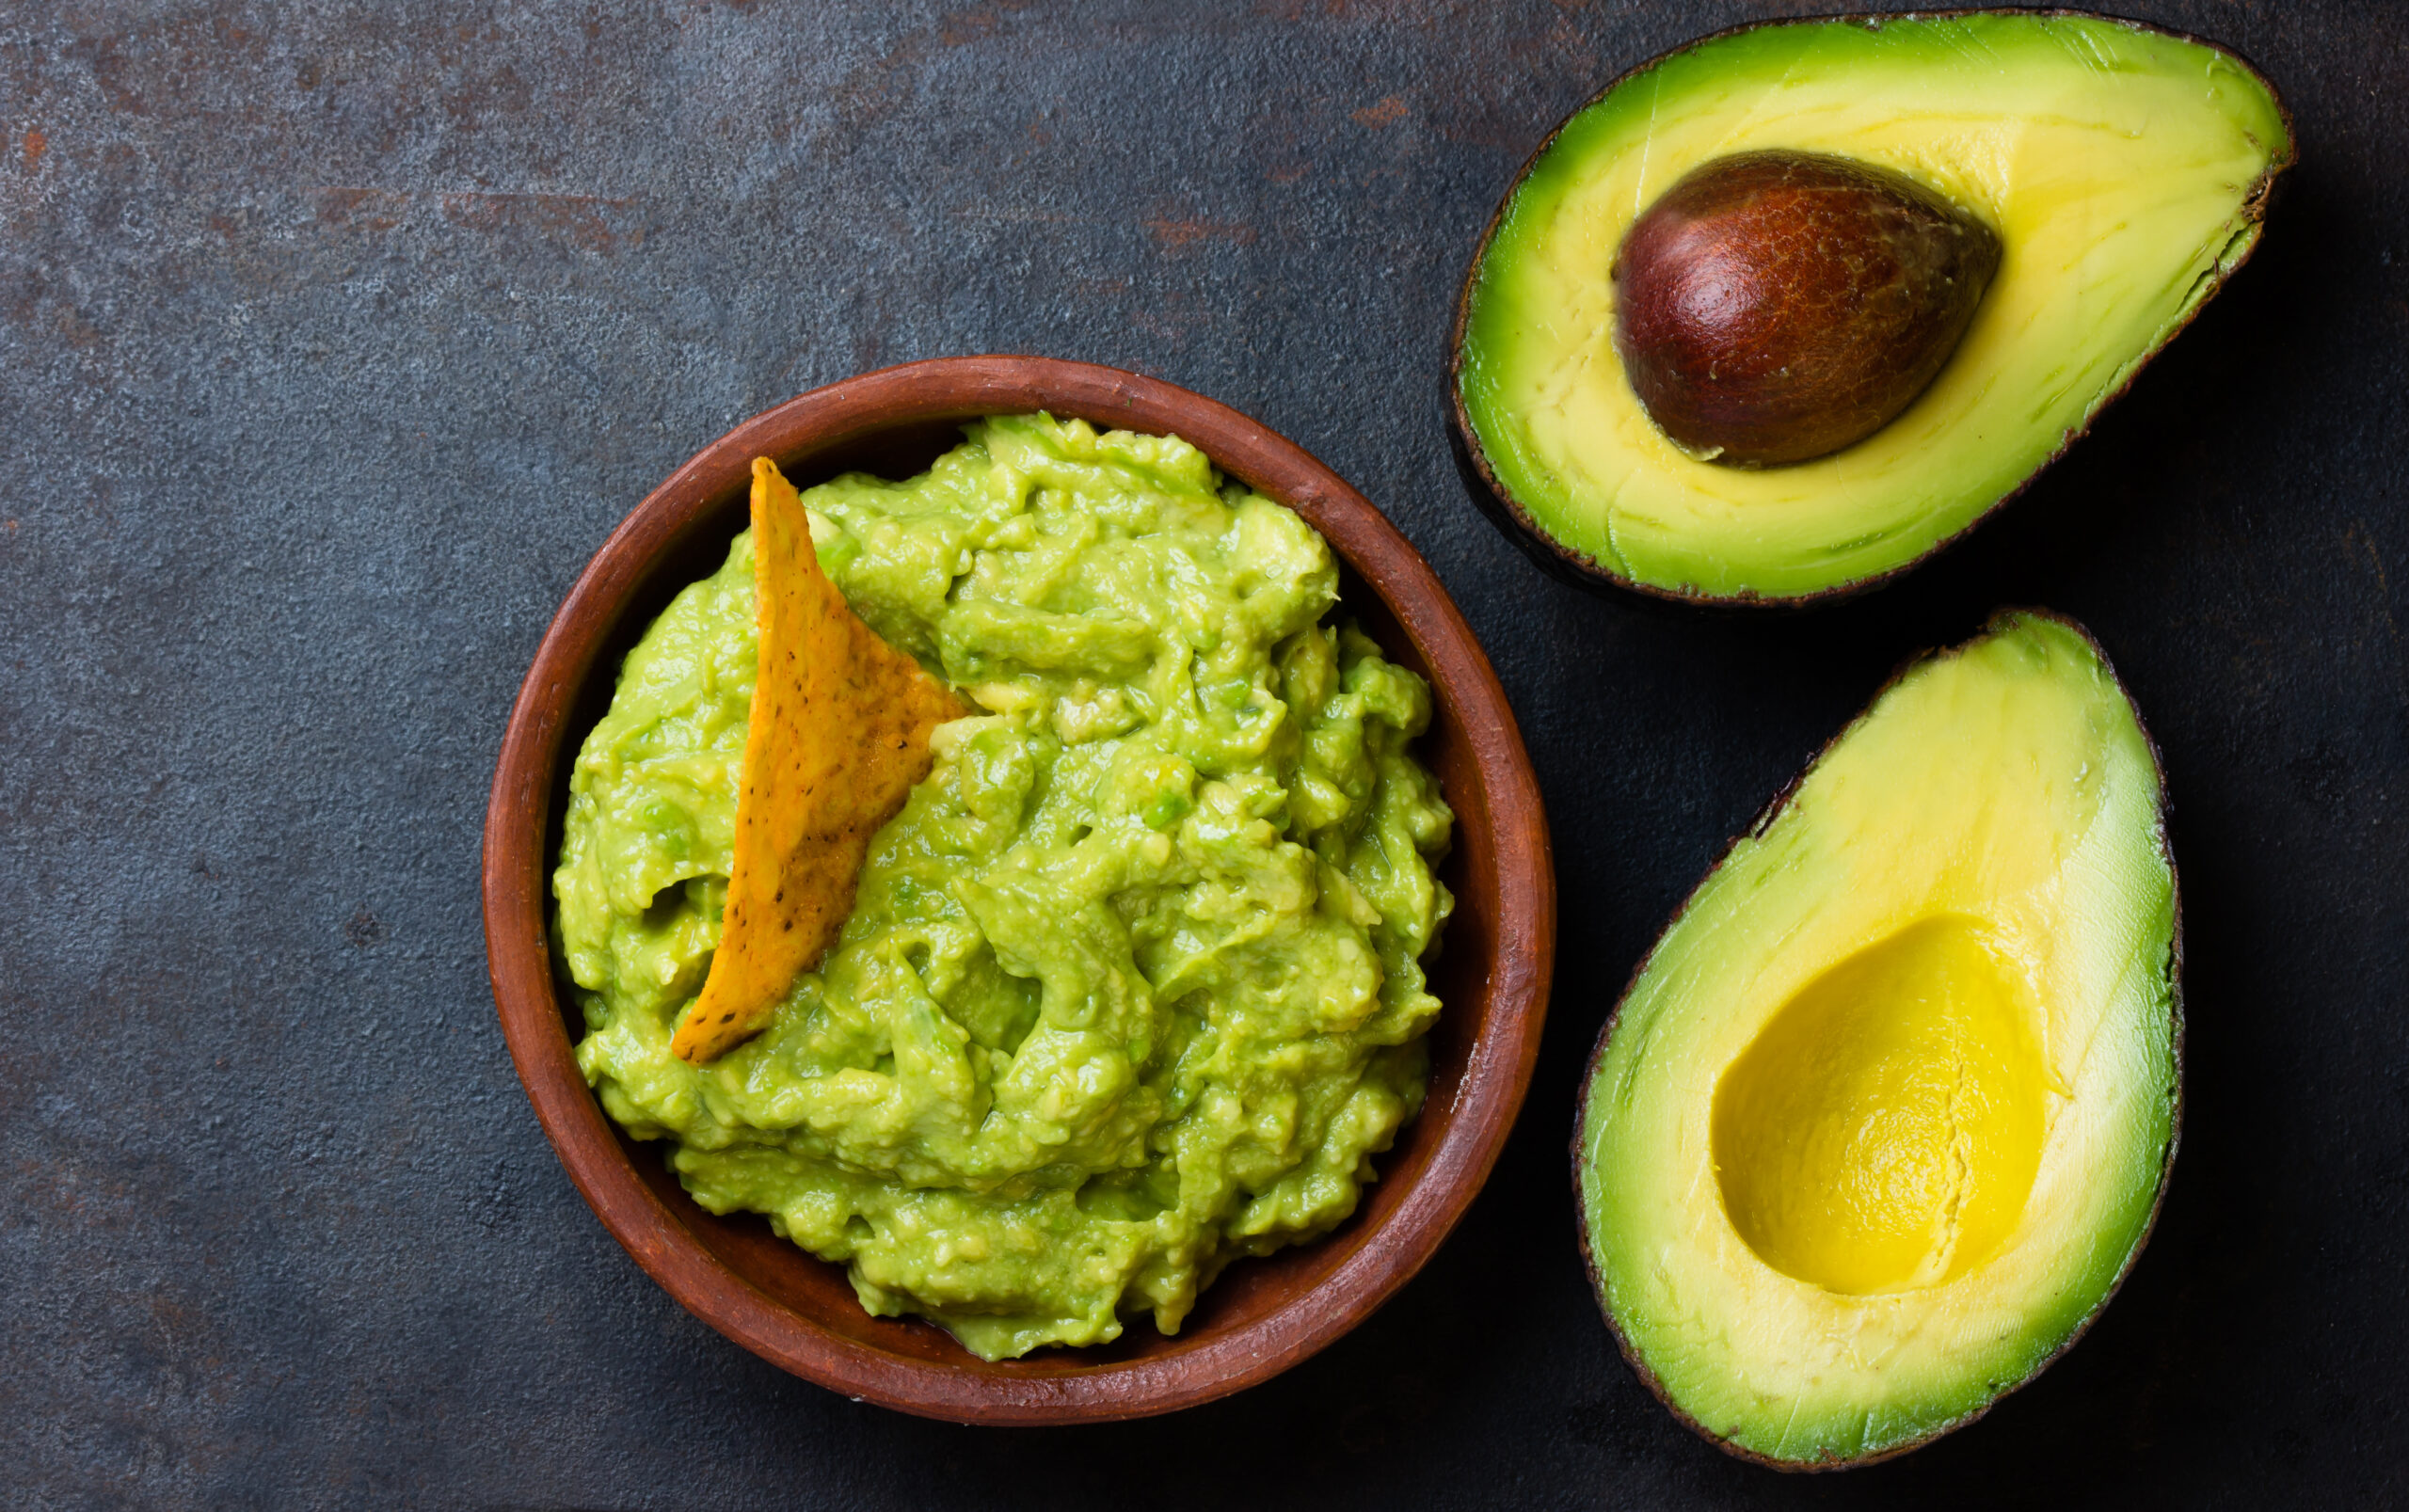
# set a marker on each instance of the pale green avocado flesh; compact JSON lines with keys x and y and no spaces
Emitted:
{"x":1885,"y":1115}
{"x":1133,"y":985}
{"x":2124,"y":169}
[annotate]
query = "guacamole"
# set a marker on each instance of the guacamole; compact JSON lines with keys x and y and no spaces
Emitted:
{"x":1132,"y":986}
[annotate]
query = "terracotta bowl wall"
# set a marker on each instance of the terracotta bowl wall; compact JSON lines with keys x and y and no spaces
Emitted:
{"x":1262,"y":1316}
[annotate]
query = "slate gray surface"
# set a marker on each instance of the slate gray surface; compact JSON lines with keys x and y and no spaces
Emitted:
{"x":333,"y":337}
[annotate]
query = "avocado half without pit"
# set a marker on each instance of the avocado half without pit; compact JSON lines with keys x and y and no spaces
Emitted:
{"x":1780,"y":314}
{"x":1885,"y":1116}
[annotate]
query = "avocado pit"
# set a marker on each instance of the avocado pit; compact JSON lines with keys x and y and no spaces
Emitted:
{"x":1775,"y":306}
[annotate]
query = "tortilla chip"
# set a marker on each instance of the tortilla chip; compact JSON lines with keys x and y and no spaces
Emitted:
{"x":839,"y":733}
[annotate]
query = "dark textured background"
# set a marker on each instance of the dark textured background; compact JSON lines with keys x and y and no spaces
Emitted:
{"x":333,"y":337}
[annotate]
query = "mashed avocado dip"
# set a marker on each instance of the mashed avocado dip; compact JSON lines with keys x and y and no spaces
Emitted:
{"x":1132,"y":985}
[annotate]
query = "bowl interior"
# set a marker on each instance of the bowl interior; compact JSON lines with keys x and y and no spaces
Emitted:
{"x":1250,"y":1290}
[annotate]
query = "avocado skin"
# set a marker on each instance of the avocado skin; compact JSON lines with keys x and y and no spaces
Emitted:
{"x":1757,"y":827}
{"x":1551,"y":556}
{"x":1859,"y":282}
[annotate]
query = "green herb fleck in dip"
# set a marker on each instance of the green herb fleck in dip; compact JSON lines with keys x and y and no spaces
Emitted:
{"x":1132,"y":986}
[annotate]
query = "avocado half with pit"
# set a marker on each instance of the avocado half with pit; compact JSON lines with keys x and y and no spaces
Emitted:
{"x":1884,"y":1117}
{"x":2122,"y":172}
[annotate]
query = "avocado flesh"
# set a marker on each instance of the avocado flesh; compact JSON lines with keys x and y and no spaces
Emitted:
{"x":2124,"y":171}
{"x":1885,"y":1116}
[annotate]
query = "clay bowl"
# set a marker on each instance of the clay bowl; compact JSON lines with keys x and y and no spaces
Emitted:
{"x":1262,"y":1316}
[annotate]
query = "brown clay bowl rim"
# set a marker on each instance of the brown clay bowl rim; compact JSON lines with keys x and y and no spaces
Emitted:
{"x":1194,"y":1367}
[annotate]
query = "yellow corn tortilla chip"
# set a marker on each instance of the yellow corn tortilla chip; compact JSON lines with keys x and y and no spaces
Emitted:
{"x":839,"y":733}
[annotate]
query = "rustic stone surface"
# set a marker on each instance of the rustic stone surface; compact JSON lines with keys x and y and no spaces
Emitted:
{"x":333,"y":337}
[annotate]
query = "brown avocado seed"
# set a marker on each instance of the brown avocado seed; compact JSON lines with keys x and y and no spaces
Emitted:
{"x":1778,"y":305}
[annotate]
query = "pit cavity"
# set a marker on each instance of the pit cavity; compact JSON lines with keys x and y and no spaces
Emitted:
{"x":1882,"y":1131}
